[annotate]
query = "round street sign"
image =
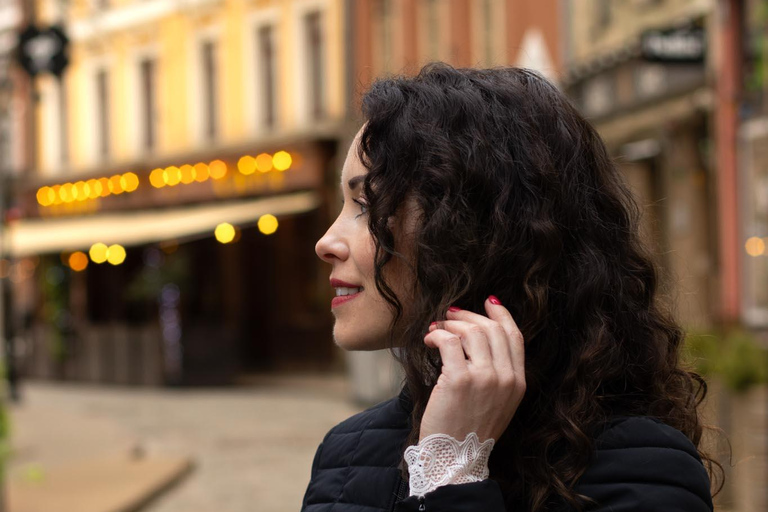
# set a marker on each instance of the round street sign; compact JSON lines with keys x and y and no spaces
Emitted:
{"x":43,"y":50}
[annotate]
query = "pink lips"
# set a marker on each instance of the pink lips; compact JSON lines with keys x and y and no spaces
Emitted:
{"x":338,"y":301}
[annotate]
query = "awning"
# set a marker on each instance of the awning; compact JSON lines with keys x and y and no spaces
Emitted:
{"x":51,"y":235}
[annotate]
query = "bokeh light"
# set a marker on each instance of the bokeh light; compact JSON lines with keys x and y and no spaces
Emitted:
{"x":246,"y":165}
{"x":98,"y":252}
{"x":115,"y":254}
{"x":225,"y":232}
{"x":264,"y":162}
{"x":94,"y":188}
{"x":201,"y":172}
{"x":65,"y":193}
{"x":130,"y":181}
{"x":755,"y":246}
{"x":46,"y":196}
{"x":79,"y":191}
{"x":187,"y":174}
{"x":105,"y":190}
{"x":282,"y":160}
{"x":77,"y":261}
{"x":267,"y":224}
{"x":156,"y":178}
{"x":115,"y":184}
{"x":172,"y":176}
{"x":217,"y":169}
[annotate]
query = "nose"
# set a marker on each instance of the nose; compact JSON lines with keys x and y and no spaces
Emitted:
{"x":331,"y":246}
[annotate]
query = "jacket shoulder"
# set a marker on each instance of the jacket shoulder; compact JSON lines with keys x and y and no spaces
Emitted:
{"x":391,"y":414}
{"x":641,"y":463}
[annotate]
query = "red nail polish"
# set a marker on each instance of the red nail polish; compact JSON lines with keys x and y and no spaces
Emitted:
{"x":454,"y":309}
{"x":494,"y":300}
{"x":433,"y":324}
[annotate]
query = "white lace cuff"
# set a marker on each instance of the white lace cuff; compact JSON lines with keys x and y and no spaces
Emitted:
{"x":440,"y":459}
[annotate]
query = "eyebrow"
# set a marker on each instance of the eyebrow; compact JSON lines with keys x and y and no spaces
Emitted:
{"x":355,"y":181}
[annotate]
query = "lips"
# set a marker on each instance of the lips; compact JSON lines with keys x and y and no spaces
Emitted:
{"x":341,"y":299}
{"x":338,"y":283}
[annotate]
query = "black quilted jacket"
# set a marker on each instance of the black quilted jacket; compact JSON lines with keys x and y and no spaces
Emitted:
{"x":641,"y":465}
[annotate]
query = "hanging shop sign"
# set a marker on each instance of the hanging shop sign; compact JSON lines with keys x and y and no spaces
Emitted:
{"x":43,"y":50}
{"x":674,"y":45}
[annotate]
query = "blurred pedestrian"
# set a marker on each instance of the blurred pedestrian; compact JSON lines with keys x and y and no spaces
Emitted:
{"x":489,"y":241}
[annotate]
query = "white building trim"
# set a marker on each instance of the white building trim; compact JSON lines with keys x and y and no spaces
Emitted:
{"x":133,"y":15}
{"x":196,"y":100}
{"x":301,"y":84}
{"x":135,"y":91}
{"x":254,"y":93}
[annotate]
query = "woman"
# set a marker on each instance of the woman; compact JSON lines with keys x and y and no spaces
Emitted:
{"x":487,"y":239}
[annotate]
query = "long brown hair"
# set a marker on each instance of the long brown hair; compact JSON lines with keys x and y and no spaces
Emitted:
{"x":519,"y":198}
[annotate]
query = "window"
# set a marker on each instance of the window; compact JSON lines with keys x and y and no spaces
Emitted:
{"x":603,"y":16}
{"x":148,"y":86}
{"x":209,"y":71}
{"x":267,"y":73}
{"x":488,"y":31}
{"x":102,"y":113}
{"x":384,"y":33}
{"x":315,"y":54}
{"x":433,"y":29}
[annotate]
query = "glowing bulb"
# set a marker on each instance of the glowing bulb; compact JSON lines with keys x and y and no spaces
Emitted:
{"x":225,"y":232}
{"x":755,"y":246}
{"x":65,"y":192}
{"x":218,"y":169}
{"x":201,"y":172}
{"x":172,"y":176}
{"x":282,"y":160}
{"x":79,"y":191}
{"x":131,"y":181}
{"x":94,"y":188}
{"x":246,"y":165}
{"x":98,"y":252}
{"x":187,"y":174}
{"x":105,"y":191}
{"x":77,"y":261}
{"x":116,"y":185}
{"x":46,"y":196}
{"x":267,"y":224}
{"x":156,"y":178}
{"x":115,"y":254}
{"x":264,"y":162}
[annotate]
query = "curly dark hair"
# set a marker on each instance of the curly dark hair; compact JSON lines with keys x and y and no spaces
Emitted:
{"x":518,"y":197}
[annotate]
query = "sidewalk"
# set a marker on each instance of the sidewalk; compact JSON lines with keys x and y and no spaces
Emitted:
{"x":252,"y":446}
{"x":67,"y":462}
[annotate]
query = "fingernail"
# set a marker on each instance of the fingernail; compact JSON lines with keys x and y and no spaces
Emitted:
{"x":433,"y":324}
{"x":454,"y":309}
{"x":494,"y":300}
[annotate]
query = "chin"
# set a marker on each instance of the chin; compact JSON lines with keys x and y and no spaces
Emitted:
{"x":357,"y":341}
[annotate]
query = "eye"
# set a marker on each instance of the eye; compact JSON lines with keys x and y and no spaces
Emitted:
{"x":363,"y":207}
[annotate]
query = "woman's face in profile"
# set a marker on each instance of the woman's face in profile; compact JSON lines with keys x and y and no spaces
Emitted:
{"x":363,"y":317}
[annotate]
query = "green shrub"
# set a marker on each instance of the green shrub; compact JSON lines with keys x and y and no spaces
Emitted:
{"x":735,"y":357}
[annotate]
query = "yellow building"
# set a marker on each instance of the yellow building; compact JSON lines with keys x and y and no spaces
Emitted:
{"x":197,"y":136}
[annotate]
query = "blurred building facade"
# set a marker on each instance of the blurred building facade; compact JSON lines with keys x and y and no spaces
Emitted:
{"x":677,"y":90}
{"x":656,"y":113}
{"x":174,"y":118}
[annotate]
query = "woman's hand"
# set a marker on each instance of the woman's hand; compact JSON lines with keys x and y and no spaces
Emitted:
{"x":483,"y":376}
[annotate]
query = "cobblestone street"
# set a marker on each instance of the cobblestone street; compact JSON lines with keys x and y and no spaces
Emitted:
{"x":252,"y":447}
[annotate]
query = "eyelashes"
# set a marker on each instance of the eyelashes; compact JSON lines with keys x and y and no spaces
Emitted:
{"x":362,"y":205}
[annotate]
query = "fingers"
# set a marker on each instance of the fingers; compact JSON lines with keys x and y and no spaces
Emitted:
{"x":450,"y":347}
{"x":516,"y":344}
{"x":473,"y":340}
{"x":482,"y":347}
{"x":501,"y":340}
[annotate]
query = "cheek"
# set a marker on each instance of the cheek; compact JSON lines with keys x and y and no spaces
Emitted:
{"x":367,"y":252}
